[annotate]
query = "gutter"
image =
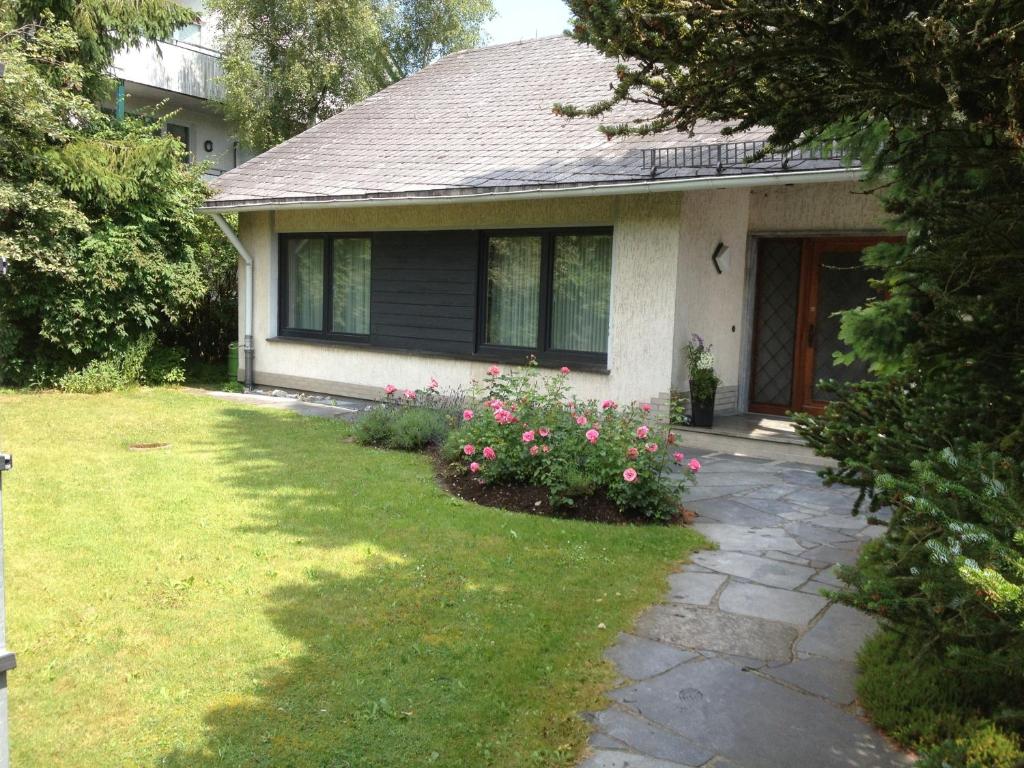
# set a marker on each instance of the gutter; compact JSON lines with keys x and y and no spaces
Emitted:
{"x":229,"y":233}
{"x":437,"y":197}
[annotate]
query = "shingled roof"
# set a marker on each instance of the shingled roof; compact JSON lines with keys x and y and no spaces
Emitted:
{"x":481,"y":121}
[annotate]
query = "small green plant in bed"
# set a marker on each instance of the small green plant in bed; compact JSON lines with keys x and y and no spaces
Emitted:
{"x":529,"y":429}
{"x":410,"y":420}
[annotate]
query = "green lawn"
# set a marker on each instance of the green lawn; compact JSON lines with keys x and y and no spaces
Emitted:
{"x":266,"y":593}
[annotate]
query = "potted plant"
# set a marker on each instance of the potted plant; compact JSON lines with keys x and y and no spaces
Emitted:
{"x":703,"y":381}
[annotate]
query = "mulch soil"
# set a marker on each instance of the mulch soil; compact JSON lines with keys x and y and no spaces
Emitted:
{"x":533,"y":499}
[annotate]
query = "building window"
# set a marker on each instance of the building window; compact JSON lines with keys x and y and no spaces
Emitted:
{"x":547,"y":294}
{"x":324,"y":287}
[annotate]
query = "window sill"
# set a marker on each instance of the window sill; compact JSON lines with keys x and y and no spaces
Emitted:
{"x":505,"y":358}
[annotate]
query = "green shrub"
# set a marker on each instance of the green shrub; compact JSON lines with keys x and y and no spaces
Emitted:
{"x":415,"y":428}
{"x":528,"y":429}
{"x":137,"y":363}
{"x":374,"y":427}
{"x":404,"y":427}
{"x":930,"y":703}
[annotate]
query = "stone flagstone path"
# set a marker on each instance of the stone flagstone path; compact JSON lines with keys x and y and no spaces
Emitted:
{"x":745,"y":664}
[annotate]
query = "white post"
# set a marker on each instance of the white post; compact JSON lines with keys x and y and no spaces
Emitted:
{"x":6,"y":657}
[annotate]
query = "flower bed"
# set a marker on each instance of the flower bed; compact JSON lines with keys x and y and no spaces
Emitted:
{"x":529,"y":430}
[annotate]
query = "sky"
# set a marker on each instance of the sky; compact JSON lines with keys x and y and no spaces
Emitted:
{"x":525,"y":19}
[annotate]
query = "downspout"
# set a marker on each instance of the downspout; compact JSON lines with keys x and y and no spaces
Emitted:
{"x":229,"y":233}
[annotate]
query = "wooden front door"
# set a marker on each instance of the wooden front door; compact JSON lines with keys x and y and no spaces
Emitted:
{"x":801,"y":284}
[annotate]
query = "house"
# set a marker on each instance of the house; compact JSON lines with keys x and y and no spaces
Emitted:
{"x":182,"y":75}
{"x":453,"y":221}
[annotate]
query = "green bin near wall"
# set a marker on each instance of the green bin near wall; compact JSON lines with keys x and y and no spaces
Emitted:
{"x":233,"y":361}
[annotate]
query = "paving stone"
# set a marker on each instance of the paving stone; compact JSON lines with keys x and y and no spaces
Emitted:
{"x":760,"y":569}
{"x":872,"y":532}
{"x":786,"y":558}
{"x":649,"y":739}
{"x":615,"y":759}
{"x":802,"y":477}
{"x":845,"y":522}
{"x":639,"y":658}
{"x":832,"y":555}
{"x":741,"y":480}
{"x":839,"y":634}
{"x":829,"y":577}
{"x":731,"y":511}
{"x":712,"y":630}
{"x":794,"y":515}
{"x":600,"y":740}
{"x":826,"y":497}
{"x":696,"y":493}
{"x":773,"y":491}
{"x":746,"y":539}
{"x":776,"y":507}
{"x":756,"y":722}
{"x":769,"y":603}
{"x":812,"y":587}
{"x":828,"y":678}
{"x":810,"y":531}
{"x":694,"y":588}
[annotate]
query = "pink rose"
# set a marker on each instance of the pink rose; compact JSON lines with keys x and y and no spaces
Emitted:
{"x":642,"y":431}
{"x":581,"y":420}
{"x":469,"y":449}
{"x":494,"y":371}
{"x":504,"y":417}
{"x":546,"y":448}
{"x":645,"y":407}
{"x":544,"y":431}
{"x":695,"y":465}
{"x":678,"y":457}
{"x":474,"y":467}
{"x":410,"y":395}
{"x":632,"y":453}
{"x":564,"y":370}
{"x":489,"y":453}
{"x":629,"y":475}
{"x":390,"y":389}
{"x":528,"y":436}
{"x":433,"y":383}
{"x":607,"y":404}
{"x":534,"y":450}
{"x":467,"y":415}
{"x":651,"y":447}
{"x":592,"y":435}
{"x":671,"y":438}
{"x":495,"y":403}
{"x":571,"y":405}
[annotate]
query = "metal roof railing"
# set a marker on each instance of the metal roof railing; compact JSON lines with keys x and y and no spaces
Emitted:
{"x":737,"y":154}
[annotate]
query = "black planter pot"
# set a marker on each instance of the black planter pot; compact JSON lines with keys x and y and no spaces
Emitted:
{"x":703,"y":411}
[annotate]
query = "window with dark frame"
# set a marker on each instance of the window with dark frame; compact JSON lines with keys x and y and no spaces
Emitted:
{"x":325,"y":287}
{"x":546,"y":293}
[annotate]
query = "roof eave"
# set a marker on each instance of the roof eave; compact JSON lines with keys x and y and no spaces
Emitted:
{"x":442,"y":196}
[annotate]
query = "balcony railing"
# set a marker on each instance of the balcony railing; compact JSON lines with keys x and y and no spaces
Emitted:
{"x":737,"y":154}
{"x":173,"y":66}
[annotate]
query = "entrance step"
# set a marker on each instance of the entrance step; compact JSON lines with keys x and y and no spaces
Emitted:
{"x":754,"y":435}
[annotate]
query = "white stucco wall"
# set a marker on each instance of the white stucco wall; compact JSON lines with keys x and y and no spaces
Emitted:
{"x":644,"y":264}
{"x":664,"y":285}
{"x":709,"y":303}
{"x":815,"y":208}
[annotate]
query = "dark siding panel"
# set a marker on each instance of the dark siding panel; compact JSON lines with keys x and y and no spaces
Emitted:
{"x":423,"y":291}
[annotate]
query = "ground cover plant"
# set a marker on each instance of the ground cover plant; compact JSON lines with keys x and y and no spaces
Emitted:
{"x":530,"y":429}
{"x":265,"y":592}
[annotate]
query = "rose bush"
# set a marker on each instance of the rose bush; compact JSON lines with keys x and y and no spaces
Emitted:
{"x":529,"y":429}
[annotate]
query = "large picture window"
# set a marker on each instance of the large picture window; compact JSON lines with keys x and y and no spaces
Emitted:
{"x":547,"y":294}
{"x":325,"y":286}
